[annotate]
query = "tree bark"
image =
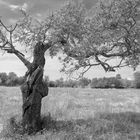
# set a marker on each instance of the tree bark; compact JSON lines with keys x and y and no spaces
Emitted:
{"x":33,"y":90}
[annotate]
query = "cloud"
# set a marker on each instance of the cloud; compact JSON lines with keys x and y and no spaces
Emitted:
{"x":19,"y":7}
{"x":9,"y":10}
{"x":36,"y":8}
{"x":25,"y":6}
{"x":14,"y":7}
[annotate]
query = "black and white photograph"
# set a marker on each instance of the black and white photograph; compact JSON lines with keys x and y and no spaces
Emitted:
{"x":69,"y":69}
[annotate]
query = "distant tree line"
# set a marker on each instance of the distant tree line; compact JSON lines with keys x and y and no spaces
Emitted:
{"x":111,"y":82}
{"x":83,"y":82}
{"x":106,"y":82}
{"x":12,"y":79}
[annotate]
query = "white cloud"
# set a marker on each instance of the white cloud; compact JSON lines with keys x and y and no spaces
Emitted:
{"x":7,"y":4}
{"x":14,"y":7}
{"x":24,"y":7}
{"x":18,"y":7}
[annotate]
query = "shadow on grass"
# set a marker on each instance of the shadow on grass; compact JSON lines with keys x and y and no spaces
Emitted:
{"x":115,"y":126}
{"x":50,"y":124}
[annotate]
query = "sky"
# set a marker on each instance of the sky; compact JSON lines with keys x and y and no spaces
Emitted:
{"x":9,"y":13}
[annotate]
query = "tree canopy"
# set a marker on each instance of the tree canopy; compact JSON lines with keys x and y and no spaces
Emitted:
{"x":87,"y":38}
{"x":110,"y":31}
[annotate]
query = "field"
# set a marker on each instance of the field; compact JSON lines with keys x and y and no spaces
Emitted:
{"x":79,"y":114}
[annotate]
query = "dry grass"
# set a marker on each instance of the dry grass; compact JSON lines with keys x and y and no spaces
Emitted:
{"x":76,"y":114}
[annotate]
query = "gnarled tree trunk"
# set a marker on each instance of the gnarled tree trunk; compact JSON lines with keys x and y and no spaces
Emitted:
{"x":33,"y":90}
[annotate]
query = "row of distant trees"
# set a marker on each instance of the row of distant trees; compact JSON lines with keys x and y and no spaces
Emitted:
{"x":110,"y":82}
{"x":84,"y":82}
{"x":12,"y":79}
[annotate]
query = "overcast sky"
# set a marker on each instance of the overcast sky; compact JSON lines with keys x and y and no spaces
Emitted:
{"x":9,"y":12}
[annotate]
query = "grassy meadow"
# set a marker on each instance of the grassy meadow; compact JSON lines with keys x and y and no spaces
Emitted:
{"x":77,"y":114}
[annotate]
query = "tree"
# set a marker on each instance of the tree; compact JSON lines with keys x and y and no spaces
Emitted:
{"x":52,"y":84}
{"x":93,"y":83}
{"x":21,"y":80}
{"x":3,"y":78}
{"x":71,"y":83}
{"x":128,"y":83}
{"x":85,"y":39}
{"x":60,"y":82}
{"x":12,"y":79}
{"x":118,"y":81}
{"x":46,"y":79}
{"x":83,"y":82}
{"x":118,"y":77}
{"x":113,"y":32}
{"x":137,"y":79}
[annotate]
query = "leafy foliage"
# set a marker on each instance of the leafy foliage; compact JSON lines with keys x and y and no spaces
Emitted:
{"x":113,"y":31}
